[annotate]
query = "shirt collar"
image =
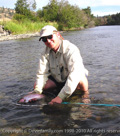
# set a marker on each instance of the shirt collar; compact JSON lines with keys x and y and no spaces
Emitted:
{"x":60,"y":47}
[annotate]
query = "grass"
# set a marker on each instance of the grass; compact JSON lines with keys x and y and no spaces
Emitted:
{"x":25,"y":26}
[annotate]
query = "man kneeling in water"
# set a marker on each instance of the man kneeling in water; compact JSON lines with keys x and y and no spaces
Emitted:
{"x":60,"y":66}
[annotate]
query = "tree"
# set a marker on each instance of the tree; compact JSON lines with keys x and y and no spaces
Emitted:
{"x":24,"y":9}
{"x":71,"y":16}
{"x":87,"y":11}
{"x":50,"y":12}
{"x":3,"y":10}
{"x":21,"y":7}
{"x":32,"y":4}
{"x":65,"y":14}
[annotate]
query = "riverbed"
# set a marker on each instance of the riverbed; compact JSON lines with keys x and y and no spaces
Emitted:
{"x":100,"y":50}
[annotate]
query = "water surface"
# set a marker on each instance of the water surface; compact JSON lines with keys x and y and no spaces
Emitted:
{"x":100,"y":49}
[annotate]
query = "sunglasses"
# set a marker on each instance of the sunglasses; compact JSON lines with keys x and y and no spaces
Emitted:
{"x":44,"y":39}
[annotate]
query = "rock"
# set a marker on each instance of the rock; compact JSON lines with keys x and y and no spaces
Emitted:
{"x":4,"y":32}
{"x":1,"y":29}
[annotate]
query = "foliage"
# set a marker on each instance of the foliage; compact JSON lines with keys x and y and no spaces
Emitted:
{"x":63,"y":15}
{"x":113,"y":19}
{"x":60,"y":11}
{"x":101,"y":21}
{"x":50,"y":12}
{"x":19,"y":17}
{"x":66,"y":15}
{"x":26,"y":26}
{"x":32,"y":4}
{"x":108,"y":20}
{"x":22,"y":8}
{"x":88,"y":12}
{"x":40,"y":14}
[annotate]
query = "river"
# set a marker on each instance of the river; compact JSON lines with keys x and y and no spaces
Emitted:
{"x":100,"y":49}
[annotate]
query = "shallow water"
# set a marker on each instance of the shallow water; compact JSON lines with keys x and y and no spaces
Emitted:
{"x":100,"y":49}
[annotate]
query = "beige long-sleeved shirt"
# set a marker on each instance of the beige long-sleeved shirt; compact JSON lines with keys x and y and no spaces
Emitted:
{"x":65,"y":65}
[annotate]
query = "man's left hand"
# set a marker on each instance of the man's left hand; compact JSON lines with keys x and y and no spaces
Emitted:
{"x":56,"y":100}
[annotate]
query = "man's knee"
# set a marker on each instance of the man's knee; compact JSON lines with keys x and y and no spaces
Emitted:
{"x":49,"y":85}
{"x":83,"y":84}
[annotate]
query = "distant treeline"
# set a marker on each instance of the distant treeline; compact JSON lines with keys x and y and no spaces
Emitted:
{"x":113,"y":19}
{"x":109,"y":20}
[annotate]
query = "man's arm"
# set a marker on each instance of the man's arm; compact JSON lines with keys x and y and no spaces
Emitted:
{"x":76,"y":74}
{"x":42,"y":75}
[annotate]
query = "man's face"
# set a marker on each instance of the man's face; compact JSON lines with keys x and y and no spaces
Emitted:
{"x":53,"y":43}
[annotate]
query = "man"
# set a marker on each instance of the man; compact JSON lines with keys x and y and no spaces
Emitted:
{"x":61,"y":66}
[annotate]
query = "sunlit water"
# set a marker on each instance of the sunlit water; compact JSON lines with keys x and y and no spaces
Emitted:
{"x":100,"y":49}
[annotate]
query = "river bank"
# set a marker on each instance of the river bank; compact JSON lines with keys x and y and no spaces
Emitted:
{"x":20,"y":36}
{"x":8,"y":37}
{"x":16,"y":30}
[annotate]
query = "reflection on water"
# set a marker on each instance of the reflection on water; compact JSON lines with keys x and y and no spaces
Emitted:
{"x":100,"y":50}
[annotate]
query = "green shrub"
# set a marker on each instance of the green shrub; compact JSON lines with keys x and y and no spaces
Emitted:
{"x":25,"y":26}
{"x":19,"y":17}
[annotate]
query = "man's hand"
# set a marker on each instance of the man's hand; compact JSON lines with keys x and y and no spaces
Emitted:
{"x":57,"y":100}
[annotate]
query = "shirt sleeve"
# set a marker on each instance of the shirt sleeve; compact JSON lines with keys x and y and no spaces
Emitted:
{"x":43,"y":73}
{"x":76,"y":72}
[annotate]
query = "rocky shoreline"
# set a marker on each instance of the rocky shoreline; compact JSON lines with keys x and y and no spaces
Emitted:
{"x":20,"y":36}
{"x":6,"y":35}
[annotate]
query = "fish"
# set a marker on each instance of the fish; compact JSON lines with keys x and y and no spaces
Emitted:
{"x":32,"y":97}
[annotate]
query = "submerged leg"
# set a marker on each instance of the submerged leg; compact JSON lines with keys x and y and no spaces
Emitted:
{"x":83,"y":86}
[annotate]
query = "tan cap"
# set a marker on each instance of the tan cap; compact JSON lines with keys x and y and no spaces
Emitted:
{"x":47,"y":30}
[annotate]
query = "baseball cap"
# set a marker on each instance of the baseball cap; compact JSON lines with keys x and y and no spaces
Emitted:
{"x":47,"y":30}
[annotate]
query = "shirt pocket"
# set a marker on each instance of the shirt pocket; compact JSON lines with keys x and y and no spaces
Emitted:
{"x":64,"y":72}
